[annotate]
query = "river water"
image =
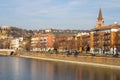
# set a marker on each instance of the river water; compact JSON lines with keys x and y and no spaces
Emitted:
{"x":14,"y":68}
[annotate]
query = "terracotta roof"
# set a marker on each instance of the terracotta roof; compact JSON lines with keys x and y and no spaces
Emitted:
{"x":115,"y":26}
{"x":101,"y":27}
{"x":107,"y":27}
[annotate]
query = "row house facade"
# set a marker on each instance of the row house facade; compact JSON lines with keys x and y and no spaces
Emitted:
{"x":45,"y":42}
{"x":64,"y":42}
{"x":42,"y":42}
{"x":106,"y":38}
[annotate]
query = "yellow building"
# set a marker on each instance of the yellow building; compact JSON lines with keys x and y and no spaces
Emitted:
{"x":3,"y":32}
{"x":84,"y":41}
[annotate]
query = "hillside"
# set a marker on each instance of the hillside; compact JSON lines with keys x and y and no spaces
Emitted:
{"x":16,"y":32}
{"x":19,"y":32}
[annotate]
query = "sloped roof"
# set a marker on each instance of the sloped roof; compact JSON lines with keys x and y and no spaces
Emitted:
{"x":106,"y":27}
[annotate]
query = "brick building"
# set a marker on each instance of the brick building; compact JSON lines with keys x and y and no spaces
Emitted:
{"x":42,"y":42}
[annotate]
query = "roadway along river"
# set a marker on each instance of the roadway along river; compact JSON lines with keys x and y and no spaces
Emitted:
{"x":14,"y":68}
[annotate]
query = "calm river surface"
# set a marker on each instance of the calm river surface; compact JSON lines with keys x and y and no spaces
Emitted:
{"x":13,"y":68}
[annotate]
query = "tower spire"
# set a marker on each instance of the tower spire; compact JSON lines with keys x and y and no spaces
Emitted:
{"x":100,"y":15}
{"x":100,"y":21}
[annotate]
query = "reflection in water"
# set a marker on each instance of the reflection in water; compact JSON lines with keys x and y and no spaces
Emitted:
{"x":12,"y":68}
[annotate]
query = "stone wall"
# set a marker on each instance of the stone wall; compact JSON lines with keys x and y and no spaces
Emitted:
{"x":89,"y":59}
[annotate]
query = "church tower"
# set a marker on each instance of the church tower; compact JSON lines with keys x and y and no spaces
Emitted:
{"x":100,"y":21}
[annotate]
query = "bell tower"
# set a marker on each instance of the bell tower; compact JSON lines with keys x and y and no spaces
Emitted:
{"x":100,"y":21}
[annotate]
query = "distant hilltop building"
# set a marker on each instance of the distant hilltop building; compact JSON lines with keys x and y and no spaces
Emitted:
{"x":5,"y":27}
{"x":3,"y":31}
{"x":48,"y":30}
{"x":61,"y":31}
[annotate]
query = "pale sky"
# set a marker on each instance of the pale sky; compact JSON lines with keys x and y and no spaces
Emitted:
{"x":57,"y":14}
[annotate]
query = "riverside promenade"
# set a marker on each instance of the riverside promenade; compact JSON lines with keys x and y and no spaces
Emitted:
{"x":99,"y":61}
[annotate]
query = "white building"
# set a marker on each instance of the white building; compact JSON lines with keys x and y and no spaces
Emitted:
{"x":34,"y":42}
{"x":16,"y":43}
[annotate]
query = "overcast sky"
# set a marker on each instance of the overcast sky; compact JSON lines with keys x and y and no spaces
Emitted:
{"x":57,"y":14}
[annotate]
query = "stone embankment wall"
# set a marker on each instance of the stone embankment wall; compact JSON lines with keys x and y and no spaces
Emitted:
{"x":5,"y":53}
{"x":89,"y":59}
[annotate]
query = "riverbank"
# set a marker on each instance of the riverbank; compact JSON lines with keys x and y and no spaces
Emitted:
{"x":109,"y":62}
